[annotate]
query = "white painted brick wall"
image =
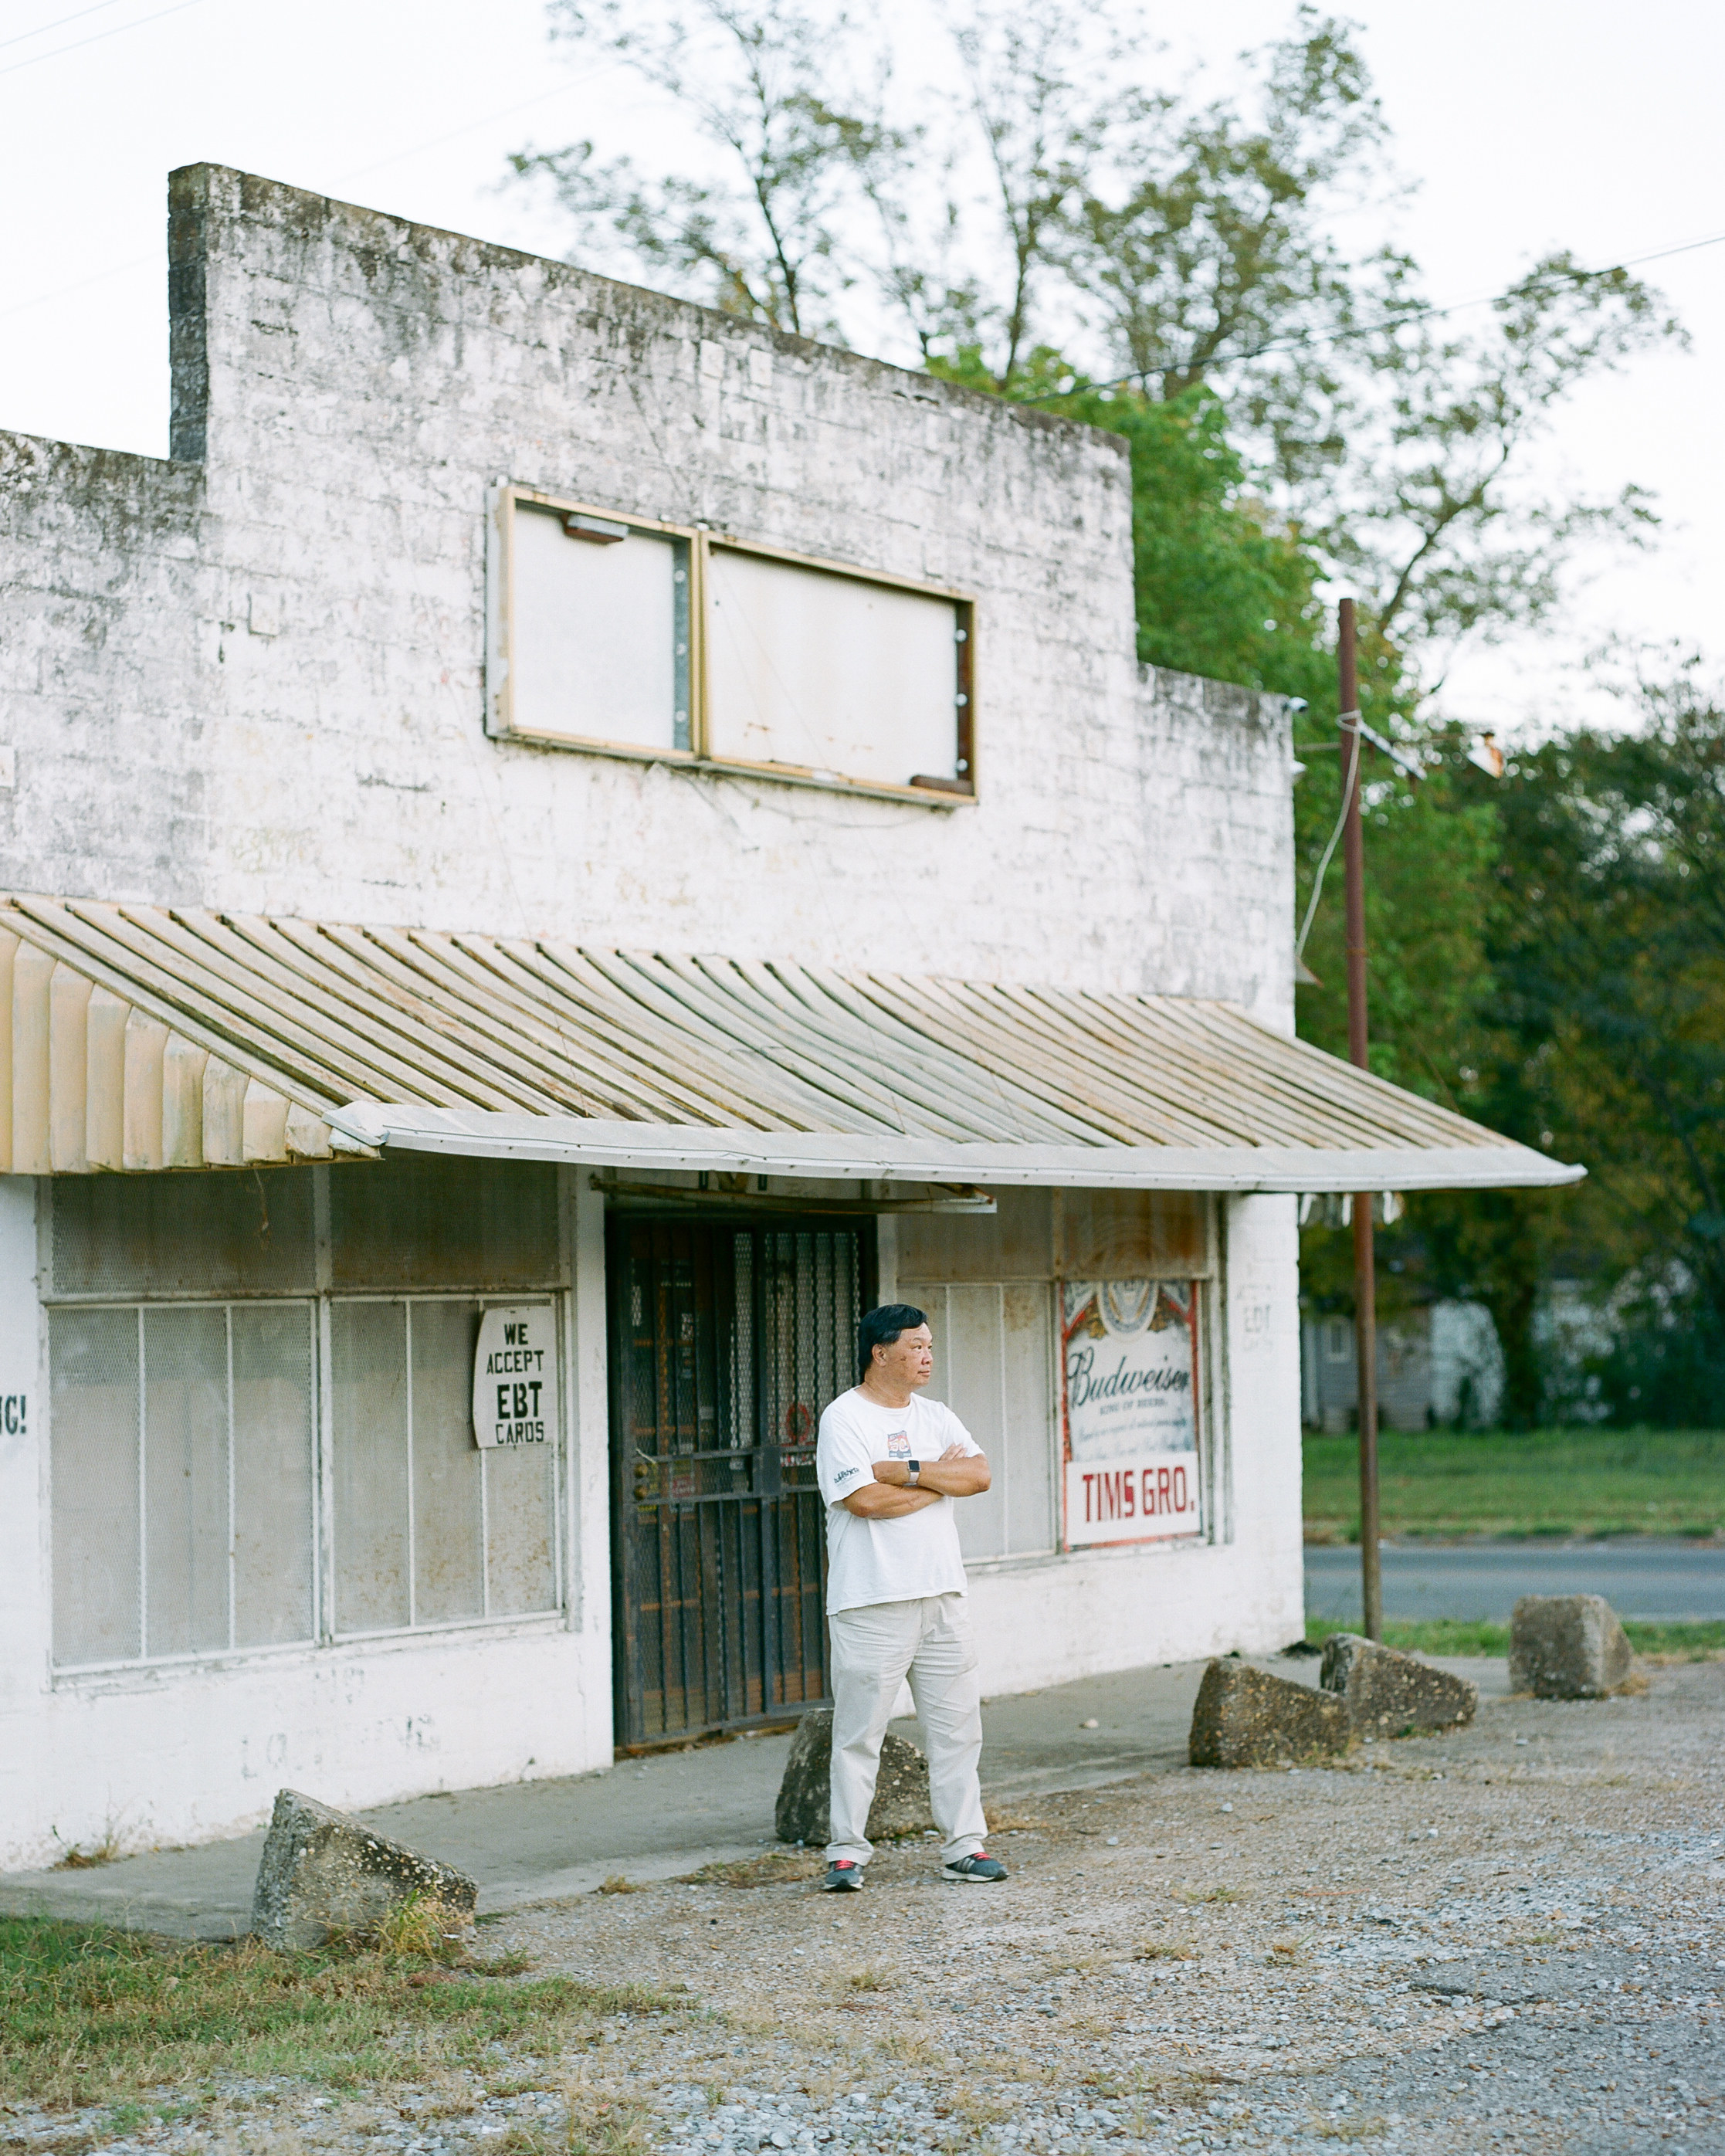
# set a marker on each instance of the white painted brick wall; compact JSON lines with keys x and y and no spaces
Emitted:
{"x":252,"y":679}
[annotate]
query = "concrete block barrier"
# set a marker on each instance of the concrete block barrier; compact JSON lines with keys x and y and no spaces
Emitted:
{"x":1390,"y":1694}
{"x":1567,"y":1646}
{"x":1244,"y":1718}
{"x":804,"y":1808}
{"x":324,"y":1873}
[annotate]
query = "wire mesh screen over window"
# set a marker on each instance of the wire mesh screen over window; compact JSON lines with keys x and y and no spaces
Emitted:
{"x":184,"y":1452}
{"x":993,"y":1366}
{"x":430,"y":1530}
{"x":183,"y":1464}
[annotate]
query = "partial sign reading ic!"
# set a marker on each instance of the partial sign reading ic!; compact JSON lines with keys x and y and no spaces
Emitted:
{"x":514,"y":1378}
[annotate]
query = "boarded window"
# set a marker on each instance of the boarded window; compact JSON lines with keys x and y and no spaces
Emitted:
{"x":182,"y":1476}
{"x":994,"y":1367}
{"x":428,"y":1529}
{"x":219,"y":1233}
{"x":855,"y":680}
{"x":623,"y":634}
{"x":429,"y":1221}
{"x":600,"y":631}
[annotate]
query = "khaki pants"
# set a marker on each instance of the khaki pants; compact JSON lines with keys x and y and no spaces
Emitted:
{"x":874,"y":1650}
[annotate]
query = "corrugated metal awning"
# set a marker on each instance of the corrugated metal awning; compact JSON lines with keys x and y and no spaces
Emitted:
{"x":143,"y":1039}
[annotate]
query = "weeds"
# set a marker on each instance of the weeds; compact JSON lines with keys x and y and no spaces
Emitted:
{"x":617,"y":1884}
{"x":85,"y":1857}
{"x":1661,"y":1645}
{"x":1001,"y":1818}
{"x":873,"y":1978}
{"x":1193,"y":1895}
{"x":593,"y":2126}
{"x":1165,"y":1950}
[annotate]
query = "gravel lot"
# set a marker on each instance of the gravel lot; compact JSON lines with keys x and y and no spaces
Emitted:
{"x":1509,"y":1938}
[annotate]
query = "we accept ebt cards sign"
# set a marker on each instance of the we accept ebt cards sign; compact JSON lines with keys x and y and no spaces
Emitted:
{"x":1129,"y":1410}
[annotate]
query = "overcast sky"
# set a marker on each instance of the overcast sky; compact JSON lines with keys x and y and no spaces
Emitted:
{"x":1530,"y":124}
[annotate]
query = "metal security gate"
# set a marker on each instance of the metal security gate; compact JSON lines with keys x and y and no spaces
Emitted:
{"x":727,"y":1339}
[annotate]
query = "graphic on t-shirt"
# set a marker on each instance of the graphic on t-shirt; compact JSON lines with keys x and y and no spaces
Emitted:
{"x":898,"y":1445}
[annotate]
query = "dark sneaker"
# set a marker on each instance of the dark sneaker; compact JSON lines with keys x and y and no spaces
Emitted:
{"x":842,"y":1877}
{"x":982,"y":1867}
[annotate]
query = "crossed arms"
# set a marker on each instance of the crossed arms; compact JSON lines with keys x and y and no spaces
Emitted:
{"x":955,"y":1474}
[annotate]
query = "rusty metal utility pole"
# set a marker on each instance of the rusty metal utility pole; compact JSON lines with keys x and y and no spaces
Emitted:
{"x":1365,"y":1279}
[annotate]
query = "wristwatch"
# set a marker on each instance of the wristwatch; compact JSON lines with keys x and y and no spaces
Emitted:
{"x":913,"y":1468}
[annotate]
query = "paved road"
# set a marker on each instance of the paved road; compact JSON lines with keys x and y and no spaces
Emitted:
{"x":1639,"y":1579}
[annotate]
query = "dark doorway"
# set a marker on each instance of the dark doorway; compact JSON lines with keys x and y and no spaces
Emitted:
{"x":727,"y":1339}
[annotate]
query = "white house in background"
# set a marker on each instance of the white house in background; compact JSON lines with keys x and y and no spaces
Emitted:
{"x":1438,"y":1366}
{"x":561,"y":845}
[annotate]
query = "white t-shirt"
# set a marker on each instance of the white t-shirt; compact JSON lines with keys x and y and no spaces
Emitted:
{"x":886,"y":1560}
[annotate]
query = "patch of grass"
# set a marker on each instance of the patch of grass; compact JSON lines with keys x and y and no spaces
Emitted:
{"x":94,"y":2016}
{"x":1194,"y":1895}
{"x":1537,"y":1482}
{"x":1434,"y":1636}
{"x":1456,"y":1636}
{"x":617,"y":1884}
{"x":595,"y":2126}
{"x":1680,"y":1643}
{"x":772,"y":1867}
{"x":1165,"y":1950}
{"x":872,"y":1978}
{"x":424,"y":1926}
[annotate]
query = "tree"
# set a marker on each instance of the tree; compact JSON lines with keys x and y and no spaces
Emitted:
{"x":1614,"y":951}
{"x":1428,"y":510}
{"x":765,"y":237}
{"x":1055,"y":203}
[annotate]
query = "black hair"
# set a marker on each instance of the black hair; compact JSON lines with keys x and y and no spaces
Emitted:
{"x":880,"y":1327}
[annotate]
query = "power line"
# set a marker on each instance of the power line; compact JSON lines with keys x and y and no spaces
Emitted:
{"x":1306,"y":337}
{"x":59,"y":22}
{"x":395,"y":157}
{"x":78,"y":45}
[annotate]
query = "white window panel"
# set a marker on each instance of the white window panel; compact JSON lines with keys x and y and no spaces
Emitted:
{"x":829,"y":672}
{"x":98,"y":1526}
{"x":600,"y":635}
{"x":994,"y":1367}
{"x":428,"y":1529}
{"x":182,"y":1457}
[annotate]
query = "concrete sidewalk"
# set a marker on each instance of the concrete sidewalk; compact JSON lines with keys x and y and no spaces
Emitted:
{"x":658,"y":1817}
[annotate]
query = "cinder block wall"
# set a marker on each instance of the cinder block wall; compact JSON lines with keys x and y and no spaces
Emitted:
{"x":252,"y":678}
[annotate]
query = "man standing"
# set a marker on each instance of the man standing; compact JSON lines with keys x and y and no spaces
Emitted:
{"x":889,"y":1464}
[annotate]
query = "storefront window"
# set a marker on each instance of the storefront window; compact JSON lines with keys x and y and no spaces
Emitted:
{"x":994,"y":1367}
{"x":183,"y":1456}
{"x":192,"y":1465}
{"x":428,"y":1529}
